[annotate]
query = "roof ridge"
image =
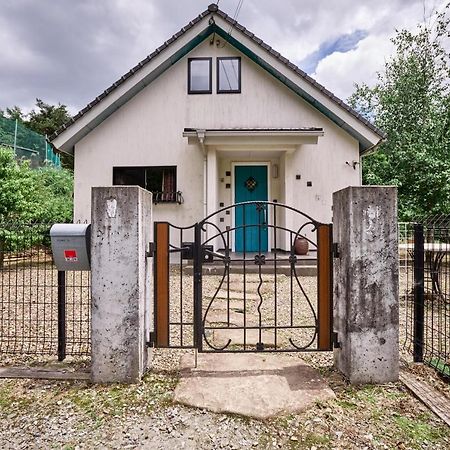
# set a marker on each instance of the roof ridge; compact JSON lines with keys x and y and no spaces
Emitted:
{"x":214,"y":9}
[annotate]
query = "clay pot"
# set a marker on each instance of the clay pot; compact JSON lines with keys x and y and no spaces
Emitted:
{"x":301,"y":246}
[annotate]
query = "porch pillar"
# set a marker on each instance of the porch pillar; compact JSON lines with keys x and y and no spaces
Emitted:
{"x":121,"y":277}
{"x":211,"y":195}
{"x":366,"y":299}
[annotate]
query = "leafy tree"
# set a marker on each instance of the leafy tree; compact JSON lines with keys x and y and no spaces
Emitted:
{"x":45,"y":119}
{"x":18,"y":183}
{"x":33,"y":195}
{"x":41,"y":195}
{"x":13,"y":113}
{"x":411,"y":103}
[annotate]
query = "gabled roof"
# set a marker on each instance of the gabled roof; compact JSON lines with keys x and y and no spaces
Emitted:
{"x":64,"y":140}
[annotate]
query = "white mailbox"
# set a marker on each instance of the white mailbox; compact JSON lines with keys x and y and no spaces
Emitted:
{"x":71,"y":246}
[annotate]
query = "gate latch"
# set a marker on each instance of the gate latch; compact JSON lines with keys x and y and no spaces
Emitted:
{"x":151,"y":250}
{"x":151,"y":340}
{"x":336,"y":252}
{"x":336,"y":343}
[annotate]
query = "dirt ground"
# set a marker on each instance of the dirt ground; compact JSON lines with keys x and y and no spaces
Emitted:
{"x":76,"y":414}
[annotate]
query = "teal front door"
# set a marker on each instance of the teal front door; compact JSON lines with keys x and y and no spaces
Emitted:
{"x":250,"y":184}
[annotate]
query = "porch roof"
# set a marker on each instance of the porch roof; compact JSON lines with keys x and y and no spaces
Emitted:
{"x":287,"y":138}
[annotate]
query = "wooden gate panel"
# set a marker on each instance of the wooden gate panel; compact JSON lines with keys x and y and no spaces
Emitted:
{"x":325,"y":286}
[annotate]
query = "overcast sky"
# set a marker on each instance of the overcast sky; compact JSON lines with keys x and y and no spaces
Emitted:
{"x":69,"y":51}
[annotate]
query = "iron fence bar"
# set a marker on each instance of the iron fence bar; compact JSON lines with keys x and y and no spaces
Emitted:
{"x":260,"y":344}
{"x":244,"y":231}
{"x":292,"y":256}
{"x":62,"y":328}
{"x":181,"y":289}
{"x":275,"y":272}
{"x":419,"y":297}
{"x":198,"y":312}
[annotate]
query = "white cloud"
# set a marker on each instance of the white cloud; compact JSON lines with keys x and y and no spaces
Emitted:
{"x":340,"y":71}
{"x":70,"y":51}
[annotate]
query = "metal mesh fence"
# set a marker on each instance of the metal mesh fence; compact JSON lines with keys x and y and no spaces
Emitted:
{"x":42,"y":311}
{"x":27,"y":143}
{"x":427,"y":297}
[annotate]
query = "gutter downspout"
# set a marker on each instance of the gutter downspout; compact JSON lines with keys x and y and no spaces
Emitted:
{"x":373,"y":148}
{"x":201,"y":139}
{"x":366,"y":152}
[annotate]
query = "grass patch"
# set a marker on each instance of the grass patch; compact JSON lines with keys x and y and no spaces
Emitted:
{"x":100,"y":402}
{"x":417,"y":430}
{"x":311,"y":439}
{"x":10,"y":402}
{"x":347,"y":404}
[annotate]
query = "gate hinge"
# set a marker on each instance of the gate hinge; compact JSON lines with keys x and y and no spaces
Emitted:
{"x":151,"y":250}
{"x":151,"y":340}
{"x":336,"y":343}
{"x":335,"y":249}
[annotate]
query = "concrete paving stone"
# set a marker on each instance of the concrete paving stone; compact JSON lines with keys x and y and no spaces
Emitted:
{"x":221,"y":337}
{"x":255,"y":385}
{"x":236,"y":318}
{"x":237,"y":295}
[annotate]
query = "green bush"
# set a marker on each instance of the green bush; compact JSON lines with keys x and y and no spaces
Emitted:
{"x":29,"y":197}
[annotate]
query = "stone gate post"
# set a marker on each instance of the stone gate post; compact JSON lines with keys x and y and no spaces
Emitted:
{"x":120,"y":234}
{"x":366,"y":299}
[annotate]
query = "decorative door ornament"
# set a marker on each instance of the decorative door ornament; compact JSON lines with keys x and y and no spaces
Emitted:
{"x":250,"y":184}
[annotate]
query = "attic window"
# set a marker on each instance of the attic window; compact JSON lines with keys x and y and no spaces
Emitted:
{"x":199,"y":75}
{"x":229,"y":75}
{"x":160,"y":180}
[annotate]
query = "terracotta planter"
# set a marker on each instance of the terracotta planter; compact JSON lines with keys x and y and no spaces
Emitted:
{"x":301,"y":246}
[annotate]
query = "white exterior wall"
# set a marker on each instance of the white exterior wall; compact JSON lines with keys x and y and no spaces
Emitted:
{"x":147,"y":131}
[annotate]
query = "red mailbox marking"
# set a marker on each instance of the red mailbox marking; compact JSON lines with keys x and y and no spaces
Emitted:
{"x":70,"y":255}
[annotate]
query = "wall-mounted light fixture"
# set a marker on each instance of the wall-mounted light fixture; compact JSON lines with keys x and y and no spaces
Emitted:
{"x":352,"y":164}
{"x":275,"y":171}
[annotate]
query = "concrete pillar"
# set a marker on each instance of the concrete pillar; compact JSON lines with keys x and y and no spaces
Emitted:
{"x":121,"y":296}
{"x":366,"y":300}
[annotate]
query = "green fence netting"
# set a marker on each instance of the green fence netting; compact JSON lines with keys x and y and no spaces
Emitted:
{"x":27,"y":143}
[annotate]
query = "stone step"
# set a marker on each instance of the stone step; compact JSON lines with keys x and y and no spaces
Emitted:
{"x":222,"y":304}
{"x":236,"y":295}
{"x":281,"y":261}
{"x":212,"y":269}
{"x":236,"y":318}
{"x":221,"y":337}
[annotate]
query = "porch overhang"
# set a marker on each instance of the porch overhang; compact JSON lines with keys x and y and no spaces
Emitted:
{"x":257,"y":138}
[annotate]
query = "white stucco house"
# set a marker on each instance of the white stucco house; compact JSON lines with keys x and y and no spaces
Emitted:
{"x":210,"y":115}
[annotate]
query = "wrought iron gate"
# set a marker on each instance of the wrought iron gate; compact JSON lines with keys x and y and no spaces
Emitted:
{"x":209,"y":297}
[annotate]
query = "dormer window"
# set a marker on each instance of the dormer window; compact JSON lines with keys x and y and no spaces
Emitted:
{"x":199,"y":75}
{"x":229,"y":75}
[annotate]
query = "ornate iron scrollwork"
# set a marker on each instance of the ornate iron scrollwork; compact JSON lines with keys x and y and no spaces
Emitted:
{"x":258,"y":313}
{"x":260,"y":260}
